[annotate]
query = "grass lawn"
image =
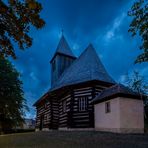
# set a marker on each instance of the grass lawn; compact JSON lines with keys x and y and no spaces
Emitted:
{"x":59,"y":139}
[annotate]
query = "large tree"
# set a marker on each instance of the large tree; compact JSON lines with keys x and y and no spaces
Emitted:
{"x":12,"y":102}
{"x":16,"y":18}
{"x":139,"y":26}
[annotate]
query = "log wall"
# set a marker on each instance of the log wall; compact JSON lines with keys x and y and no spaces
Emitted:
{"x":54,"y":116}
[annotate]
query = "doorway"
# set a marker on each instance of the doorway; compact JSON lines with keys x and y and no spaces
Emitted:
{"x":41,"y":122}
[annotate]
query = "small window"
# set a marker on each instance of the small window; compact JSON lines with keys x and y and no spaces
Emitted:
{"x":54,"y":65}
{"x":83,"y":103}
{"x":107,"y":107}
{"x":62,"y":65}
{"x":64,"y":106}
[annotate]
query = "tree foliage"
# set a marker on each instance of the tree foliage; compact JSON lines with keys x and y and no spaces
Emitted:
{"x":16,"y":18}
{"x":138,"y":83}
{"x":12,"y":102}
{"x":139,"y":25}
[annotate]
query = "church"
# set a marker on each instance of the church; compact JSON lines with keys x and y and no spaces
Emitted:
{"x":76,"y":84}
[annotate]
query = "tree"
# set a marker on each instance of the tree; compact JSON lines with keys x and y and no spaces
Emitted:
{"x":139,"y":25}
{"x":137,"y":83}
{"x":16,"y":18}
{"x":12,"y":102}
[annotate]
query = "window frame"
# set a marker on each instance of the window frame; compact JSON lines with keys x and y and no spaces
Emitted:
{"x":83,"y":103}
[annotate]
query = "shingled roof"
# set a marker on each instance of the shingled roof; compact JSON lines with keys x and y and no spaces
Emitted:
{"x":85,"y":68}
{"x":115,"y":91}
{"x":63,"y":48}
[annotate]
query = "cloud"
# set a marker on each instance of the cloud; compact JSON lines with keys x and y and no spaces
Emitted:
{"x":111,"y":33}
{"x":30,"y":100}
{"x":32,"y":75}
{"x":122,"y":79}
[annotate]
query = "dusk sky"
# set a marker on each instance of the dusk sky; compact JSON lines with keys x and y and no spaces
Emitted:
{"x":103,"y":23}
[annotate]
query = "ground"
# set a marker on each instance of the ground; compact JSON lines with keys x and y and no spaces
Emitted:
{"x":57,"y":139}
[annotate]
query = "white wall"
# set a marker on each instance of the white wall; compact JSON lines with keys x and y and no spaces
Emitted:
{"x":131,"y":114}
{"x":107,"y":120}
{"x":126,"y":116}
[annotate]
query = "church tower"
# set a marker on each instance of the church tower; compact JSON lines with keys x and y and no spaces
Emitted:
{"x":61,"y":60}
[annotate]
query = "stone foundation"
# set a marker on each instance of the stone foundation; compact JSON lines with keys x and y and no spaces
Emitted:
{"x":66,"y":129}
{"x":76,"y":129}
{"x":121,"y":130}
{"x":37,"y":129}
{"x":44,"y":129}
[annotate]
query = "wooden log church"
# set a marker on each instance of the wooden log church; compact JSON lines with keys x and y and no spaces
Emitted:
{"x":84,"y":97}
{"x":75,"y":82}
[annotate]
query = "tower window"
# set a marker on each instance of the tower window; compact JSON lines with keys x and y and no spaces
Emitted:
{"x":54,"y":65}
{"x":83,"y":103}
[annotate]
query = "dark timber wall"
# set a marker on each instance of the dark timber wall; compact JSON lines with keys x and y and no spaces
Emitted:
{"x":82,"y":119}
{"x":44,"y":114}
{"x":54,"y":116}
{"x":73,"y":118}
{"x":63,"y":116}
{"x":54,"y":113}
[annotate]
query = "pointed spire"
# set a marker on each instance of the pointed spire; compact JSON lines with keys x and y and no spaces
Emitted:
{"x":90,"y":45}
{"x":64,"y":48}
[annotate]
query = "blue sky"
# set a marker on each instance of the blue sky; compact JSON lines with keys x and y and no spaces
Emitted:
{"x":102,"y":23}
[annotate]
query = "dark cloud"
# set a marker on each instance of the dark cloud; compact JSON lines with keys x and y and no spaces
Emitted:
{"x":104,"y":23}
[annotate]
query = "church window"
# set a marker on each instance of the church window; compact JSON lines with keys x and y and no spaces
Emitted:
{"x":64,"y":106}
{"x":83,"y":103}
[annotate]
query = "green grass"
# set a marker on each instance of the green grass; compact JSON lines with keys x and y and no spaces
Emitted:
{"x":57,"y":139}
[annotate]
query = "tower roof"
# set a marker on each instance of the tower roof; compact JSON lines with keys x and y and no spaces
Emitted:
{"x":63,"y":48}
{"x":85,"y":68}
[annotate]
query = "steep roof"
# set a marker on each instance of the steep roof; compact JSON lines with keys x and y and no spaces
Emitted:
{"x":63,"y":48}
{"x":115,"y":90}
{"x":85,"y":68}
